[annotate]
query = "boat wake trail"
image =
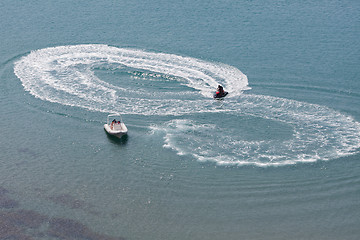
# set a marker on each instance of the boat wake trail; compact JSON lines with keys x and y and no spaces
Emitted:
{"x":248,"y":130}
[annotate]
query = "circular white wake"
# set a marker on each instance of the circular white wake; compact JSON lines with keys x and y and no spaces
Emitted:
{"x":149,"y":83}
{"x":66,"y":75}
{"x":265,"y":131}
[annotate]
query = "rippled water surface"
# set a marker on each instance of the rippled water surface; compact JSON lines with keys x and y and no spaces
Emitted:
{"x":278,"y":158}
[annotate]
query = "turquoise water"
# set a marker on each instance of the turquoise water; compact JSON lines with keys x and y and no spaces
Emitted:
{"x":276,"y":159}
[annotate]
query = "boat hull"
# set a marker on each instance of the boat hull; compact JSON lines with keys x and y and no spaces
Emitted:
{"x":116,"y":132}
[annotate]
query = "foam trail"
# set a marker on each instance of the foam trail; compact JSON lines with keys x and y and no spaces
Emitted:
{"x":310,"y":133}
{"x":69,"y":75}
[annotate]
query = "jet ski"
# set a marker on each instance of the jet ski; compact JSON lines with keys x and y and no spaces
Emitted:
{"x":220,"y":95}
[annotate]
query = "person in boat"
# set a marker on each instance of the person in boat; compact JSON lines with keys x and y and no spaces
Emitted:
{"x":112,"y":123}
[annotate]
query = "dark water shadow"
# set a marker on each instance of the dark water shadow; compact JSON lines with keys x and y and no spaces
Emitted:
{"x":17,"y":223}
{"x":116,"y":140}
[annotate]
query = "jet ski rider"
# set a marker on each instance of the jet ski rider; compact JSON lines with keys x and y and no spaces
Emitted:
{"x":220,"y":91}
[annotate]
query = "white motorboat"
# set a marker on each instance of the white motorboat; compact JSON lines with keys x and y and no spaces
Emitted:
{"x":115,"y":126}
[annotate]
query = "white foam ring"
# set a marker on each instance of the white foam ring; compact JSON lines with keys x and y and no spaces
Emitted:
{"x":66,"y":75}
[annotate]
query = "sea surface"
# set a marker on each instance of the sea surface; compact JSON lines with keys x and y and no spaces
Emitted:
{"x":278,"y":158}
